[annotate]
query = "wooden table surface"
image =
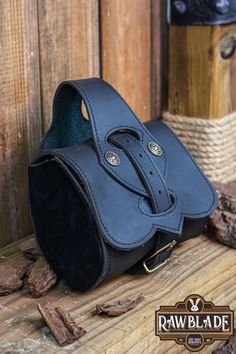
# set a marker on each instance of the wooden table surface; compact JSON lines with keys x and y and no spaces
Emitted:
{"x":199,"y":266}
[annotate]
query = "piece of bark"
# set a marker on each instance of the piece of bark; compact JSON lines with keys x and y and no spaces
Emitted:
{"x":222,"y":222}
{"x":226,"y":196}
{"x":69,"y":322}
{"x":41,"y":278}
{"x":27,"y":273}
{"x":118,"y":308}
{"x":30,"y":249}
{"x":12,"y":273}
{"x":222,"y":225}
{"x":229,"y":347}
{"x":61,"y":324}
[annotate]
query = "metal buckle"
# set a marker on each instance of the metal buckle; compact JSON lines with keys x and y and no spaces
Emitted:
{"x":168,"y":247}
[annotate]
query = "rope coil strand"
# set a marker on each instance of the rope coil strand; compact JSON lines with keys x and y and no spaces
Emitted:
{"x":211,"y":142}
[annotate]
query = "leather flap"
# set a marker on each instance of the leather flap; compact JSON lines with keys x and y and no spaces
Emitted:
{"x":124,"y":215}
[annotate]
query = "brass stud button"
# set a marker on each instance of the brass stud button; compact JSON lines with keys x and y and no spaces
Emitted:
{"x":112,"y":158}
{"x":155,"y":148}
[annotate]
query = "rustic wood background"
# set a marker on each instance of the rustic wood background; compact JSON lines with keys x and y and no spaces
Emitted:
{"x":46,"y":41}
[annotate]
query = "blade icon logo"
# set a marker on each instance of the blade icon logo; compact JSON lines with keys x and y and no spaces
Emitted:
{"x":194,"y":323}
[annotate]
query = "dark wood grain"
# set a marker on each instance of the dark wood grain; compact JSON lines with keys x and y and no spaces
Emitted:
{"x":159,"y":58}
{"x":69,"y":45}
{"x":126,"y":48}
{"x":201,"y":82}
{"x":20,"y":122}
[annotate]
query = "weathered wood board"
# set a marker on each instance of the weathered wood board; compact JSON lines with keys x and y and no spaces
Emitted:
{"x":42,"y":43}
{"x":201,"y":82}
{"x":126,"y":48}
{"x":134,"y":53}
{"x":200,"y":266}
{"x":20,"y":118}
{"x":159,"y":58}
{"x":69,"y":45}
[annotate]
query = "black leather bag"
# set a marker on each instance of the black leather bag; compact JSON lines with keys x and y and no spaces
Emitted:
{"x":110,"y":192}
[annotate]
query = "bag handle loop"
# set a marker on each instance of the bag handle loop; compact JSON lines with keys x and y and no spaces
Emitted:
{"x":108,"y":113}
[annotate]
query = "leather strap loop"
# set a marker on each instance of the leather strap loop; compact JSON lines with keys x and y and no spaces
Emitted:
{"x":155,"y":184}
{"x":108,"y":112}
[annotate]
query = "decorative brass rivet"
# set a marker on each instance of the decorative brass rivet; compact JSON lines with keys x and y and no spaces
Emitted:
{"x":155,"y":148}
{"x":112,"y":158}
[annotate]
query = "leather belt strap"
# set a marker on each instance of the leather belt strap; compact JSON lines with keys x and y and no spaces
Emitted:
{"x":149,"y":173}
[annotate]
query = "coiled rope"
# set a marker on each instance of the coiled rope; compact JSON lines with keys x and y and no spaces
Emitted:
{"x":211,"y":142}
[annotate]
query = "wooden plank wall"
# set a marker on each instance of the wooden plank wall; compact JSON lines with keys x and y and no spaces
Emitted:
{"x":44,"y":42}
{"x":69,"y":45}
{"x":126,"y":34}
{"x":20,"y":120}
{"x":199,"y":73}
